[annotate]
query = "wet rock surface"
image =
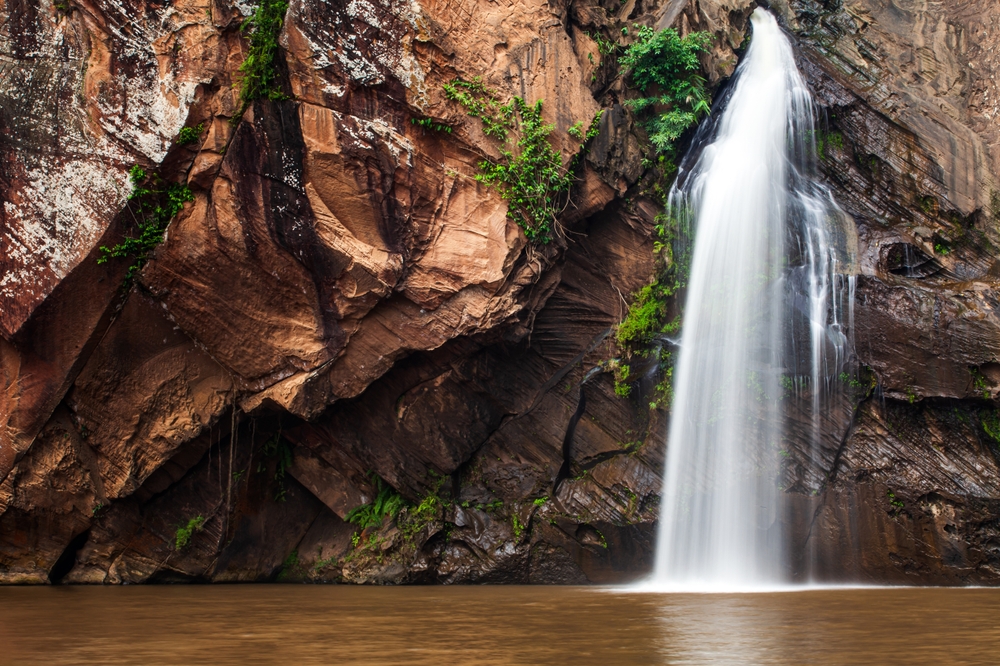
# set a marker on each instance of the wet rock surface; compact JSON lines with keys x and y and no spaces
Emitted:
{"x":344,"y":305}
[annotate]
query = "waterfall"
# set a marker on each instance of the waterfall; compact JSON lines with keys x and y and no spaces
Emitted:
{"x":762,"y":316}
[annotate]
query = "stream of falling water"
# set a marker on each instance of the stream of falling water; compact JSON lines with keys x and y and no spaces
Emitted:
{"x":763,"y":316}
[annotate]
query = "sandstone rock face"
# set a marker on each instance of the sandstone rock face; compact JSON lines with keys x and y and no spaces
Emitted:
{"x":345,"y":311}
{"x":910,"y":152}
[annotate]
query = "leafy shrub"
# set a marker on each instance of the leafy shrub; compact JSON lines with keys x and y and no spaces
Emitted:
{"x":664,"y":67}
{"x":644,"y":316}
{"x":152,"y":204}
{"x":259,"y":69}
{"x":185,"y":532}
{"x":647,"y":316}
{"x":604,"y":46}
{"x":530,"y":175}
{"x":190,"y":134}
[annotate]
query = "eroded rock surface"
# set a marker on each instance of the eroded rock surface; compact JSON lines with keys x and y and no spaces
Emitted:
{"x":343,"y":305}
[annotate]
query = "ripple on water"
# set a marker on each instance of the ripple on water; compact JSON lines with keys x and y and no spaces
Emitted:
{"x":282,"y":624}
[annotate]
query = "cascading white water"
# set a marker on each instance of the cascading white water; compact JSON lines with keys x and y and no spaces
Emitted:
{"x":761,"y":260}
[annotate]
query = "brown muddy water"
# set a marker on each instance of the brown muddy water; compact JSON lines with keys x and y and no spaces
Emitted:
{"x":285,"y":624}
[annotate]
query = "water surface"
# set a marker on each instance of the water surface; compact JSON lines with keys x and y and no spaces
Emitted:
{"x":286,"y":624}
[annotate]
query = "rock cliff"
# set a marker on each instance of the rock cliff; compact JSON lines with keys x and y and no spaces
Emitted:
{"x":343,"y":315}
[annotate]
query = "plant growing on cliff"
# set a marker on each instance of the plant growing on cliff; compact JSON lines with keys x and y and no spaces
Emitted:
{"x":153,"y":204}
{"x":280,"y":451}
{"x":604,"y":46}
{"x":979,"y":383}
{"x":991,"y":426}
{"x":897,"y":504}
{"x":190,"y":134}
{"x":664,"y":67}
{"x":530,"y":174}
{"x":259,"y":68}
{"x":648,"y":317}
{"x":517,"y":526}
{"x":185,"y":532}
{"x":291,"y":567}
{"x":431,"y":124}
{"x":387,"y":502}
{"x":826,"y":139}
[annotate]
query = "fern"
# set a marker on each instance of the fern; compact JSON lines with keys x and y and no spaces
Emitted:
{"x":387,"y":502}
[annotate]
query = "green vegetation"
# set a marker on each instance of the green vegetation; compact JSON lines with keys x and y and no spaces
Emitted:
{"x":872,"y":164}
{"x":428,"y":508}
{"x":851,"y":381}
{"x":190,"y":134}
{"x":530,"y":175}
{"x":279,"y":450}
{"x":632,"y":504}
{"x":756,"y":387}
{"x":431,"y":124}
{"x":825,"y":139}
{"x":941,"y":248}
{"x":664,"y":67}
{"x":416,"y":518}
{"x":153,"y":204}
{"x":290,"y":566}
{"x":323,"y":563}
{"x":604,"y":46}
{"x":387,"y":502}
{"x":517,"y":525}
{"x":410,"y":519}
{"x":185,"y":532}
{"x":259,"y":68}
{"x":491,"y":507}
{"x":622,"y":372}
{"x":991,"y":425}
{"x":631,"y":447}
{"x":648,"y":315}
{"x":541,"y":500}
{"x":979,"y":383}
{"x":928,"y":205}
{"x":896,"y":503}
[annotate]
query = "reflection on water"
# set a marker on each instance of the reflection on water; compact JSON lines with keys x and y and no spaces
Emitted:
{"x":278,"y":624}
